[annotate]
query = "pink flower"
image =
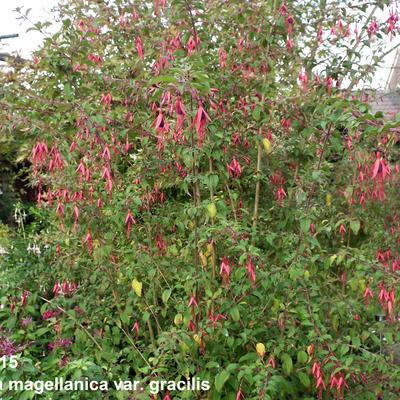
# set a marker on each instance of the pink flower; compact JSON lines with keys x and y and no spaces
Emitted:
{"x":60,"y":209}
{"x":289,"y":45}
{"x":225,"y":269}
{"x":200,"y":122}
{"x":380,"y":169}
{"x":234,"y":169}
{"x":81,"y":168}
{"x":106,"y":153}
{"x":192,"y":44}
{"x":222,"y":58}
{"x":76,"y":213}
{"x":367,"y":295}
{"x":24,"y":298}
{"x":60,"y":343}
{"x":106,"y":99}
{"x":50,"y":314}
{"x":342,"y":230}
{"x":129,"y":221}
{"x":139,"y":48}
{"x":89,"y":241}
{"x":250,"y":271}
{"x":57,"y":289}
{"x":373,"y":28}
{"x":136,"y":328}
{"x":271,"y":362}
{"x":192,"y":301}
{"x":280,"y":195}
{"x":303,"y":78}
{"x":239,"y":395}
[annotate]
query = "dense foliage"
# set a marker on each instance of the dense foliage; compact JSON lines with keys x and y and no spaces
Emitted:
{"x":211,"y":202}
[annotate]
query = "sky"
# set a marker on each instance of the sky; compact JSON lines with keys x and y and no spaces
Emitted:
{"x":27,"y":41}
{"x":41,"y":11}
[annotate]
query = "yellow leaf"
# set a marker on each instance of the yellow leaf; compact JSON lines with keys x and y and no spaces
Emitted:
{"x":197,"y":339}
{"x":212,"y":210}
{"x":260,"y":348}
{"x":267,"y":145}
{"x":329,"y":200}
{"x":210,"y":250}
{"x":178,"y":319}
{"x":137,"y":287}
{"x":203,"y":259}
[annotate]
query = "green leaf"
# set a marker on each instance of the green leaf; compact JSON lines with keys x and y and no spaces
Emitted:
{"x":304,"y":379}
{"x":220,"y":379}
{"x":302,"y":357}
{"x":355,"y":226}
{"x":305,"y":225}
{"x":287,"y":363}
{"x":166,"y":295}
{"x":256,"y":114}
{"x":235,"y":314}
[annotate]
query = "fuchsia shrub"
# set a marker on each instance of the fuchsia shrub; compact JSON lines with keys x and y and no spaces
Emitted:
{"x":214,"y":198}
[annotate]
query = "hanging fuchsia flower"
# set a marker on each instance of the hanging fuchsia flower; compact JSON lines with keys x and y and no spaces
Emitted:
{"x":159,"y":122}
{"x":160,"y":243}
{"x":373,"y":28}
{"x":239,"y":395}
{"x":191,"y":326}
{"x":136,"y":328}
{"x":289,"y":45}
{"x":57,"y":289}
{"x":367,"y":296}
{"x":167,"y":397}
{"x":50,"y":314}
{"x":192,"y":44}
{"x":222,"y":58}
{"x":180,"y":117}
{"x":317,"y":373}
{"x":24,"y":298}
{"x":60,"y":209}
{"x":339,"y":25}
{"x":76,"y":213}
{"x":234,"y":169}
{"x":81,"y":169}
{"x":286,"y":124}
{"x":200,"y":122}
{"x":106,"y":172}
{"x":320,"y":35}
{"x":303,"y":78}
{"x":129,"y":221}
{"x":225,"y":270}
{"x":342,"y":230}
{"x":392,"y":22}
{"x":139,"y":48}
{"x":106,"y":153}
{"x":127,"y":145}
{"x":251,"y":273}
{"x":192,"y":301}
{"x":380,"y":169}
{"x":338,"y":382}
{"x":280,"y":195}
{"x":289,"y":23}
{"x":60,"y":343}
{"x":215,"y":318}
{"x":283,"y":9}
{"x":89,"y":241}
{"x":106,"y":99}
